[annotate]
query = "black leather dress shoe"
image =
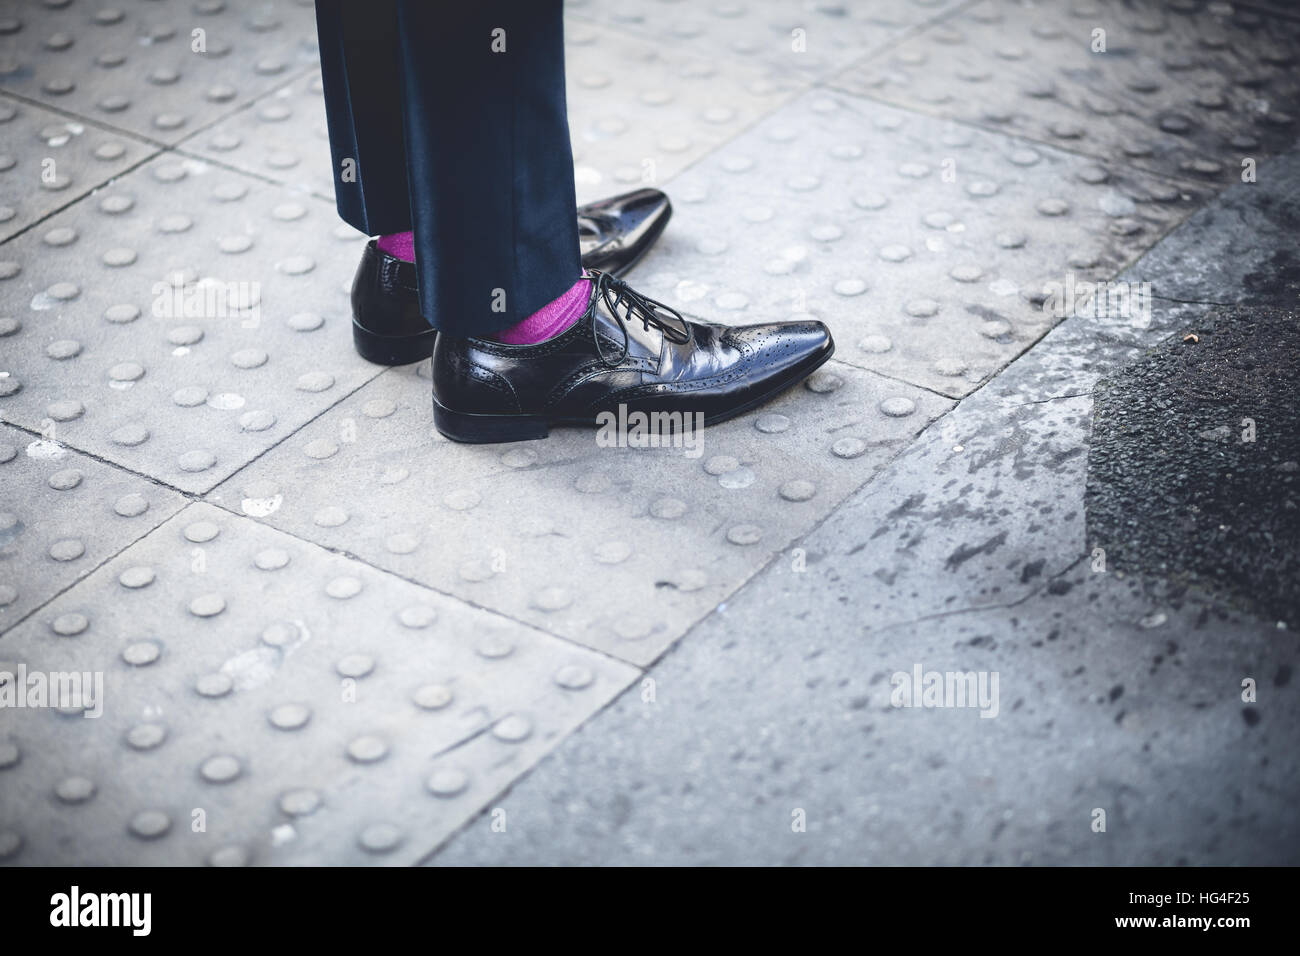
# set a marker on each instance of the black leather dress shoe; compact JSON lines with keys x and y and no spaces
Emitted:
{"x":387,"y":326}
{"x":628,"y":354}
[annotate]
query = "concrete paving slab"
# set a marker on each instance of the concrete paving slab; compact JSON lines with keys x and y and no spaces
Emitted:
{"x":281,"y":137}
{"x":635,"y":116}
{"x":923,"y":244}
{"x":267,"y":702}
{"x":161,"y":70}
{"x":621,"y":549}
{"x":62,"y":514}
{"x":50,"y":160}
{"x":186,"y":315}
{"x":1186,"y":88}
{"x":812,"y":40}
{"x":1114,"y":711}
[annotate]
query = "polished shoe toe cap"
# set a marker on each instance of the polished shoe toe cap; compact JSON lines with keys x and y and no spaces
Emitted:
{"x":782,"y":348}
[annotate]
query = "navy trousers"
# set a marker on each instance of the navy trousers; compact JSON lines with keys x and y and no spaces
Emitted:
{"x":449,"y":120}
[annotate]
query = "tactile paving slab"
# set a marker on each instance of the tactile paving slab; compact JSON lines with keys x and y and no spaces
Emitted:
{"x":1184,"y":87}
{"x":810,"y":39}
{"x":180,"y":322}
{"x":635,"y":114}
{"x":925,"y":245}
{"x":282,"y":137}
{"x":62,"y":514}
{"x":197,"y":59}
{"x":621,"y":549}
{"x":267,"y":702}
{"x":49,"y":160}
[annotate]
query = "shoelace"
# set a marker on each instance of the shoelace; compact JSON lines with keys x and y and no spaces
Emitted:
{"x":617,"y":294}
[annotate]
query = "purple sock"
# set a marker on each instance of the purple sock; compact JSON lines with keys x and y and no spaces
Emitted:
{"x":551,"y":319}
{"x":398,"y":244}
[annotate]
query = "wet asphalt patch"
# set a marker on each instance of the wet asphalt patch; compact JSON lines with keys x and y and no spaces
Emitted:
{"x":1194,"y":464}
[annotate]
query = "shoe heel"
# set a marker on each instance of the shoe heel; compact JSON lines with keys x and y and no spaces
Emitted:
{"x":488,"y":429}
{"x":392,"y":349}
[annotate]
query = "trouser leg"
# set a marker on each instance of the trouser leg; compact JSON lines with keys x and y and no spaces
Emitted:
{"x":482,"y":141}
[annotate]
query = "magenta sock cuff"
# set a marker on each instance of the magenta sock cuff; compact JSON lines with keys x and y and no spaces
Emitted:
{"x":398,"y":244}
{"x":551,"y":319}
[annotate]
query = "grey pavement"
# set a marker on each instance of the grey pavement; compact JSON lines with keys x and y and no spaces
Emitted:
{"x":324,"y":634}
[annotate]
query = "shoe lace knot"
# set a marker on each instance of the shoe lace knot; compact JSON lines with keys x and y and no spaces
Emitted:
{"x":624,"y":304}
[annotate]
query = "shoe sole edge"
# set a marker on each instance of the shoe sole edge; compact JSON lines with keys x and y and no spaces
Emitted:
{"x":472,"y":428}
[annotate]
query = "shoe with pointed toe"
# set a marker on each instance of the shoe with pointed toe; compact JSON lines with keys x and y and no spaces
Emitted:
{"x":627,"y":354}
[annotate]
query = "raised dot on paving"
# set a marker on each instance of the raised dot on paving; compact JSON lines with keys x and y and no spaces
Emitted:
{"x":433,"y":696}
{"x":207,"y":605}
{"x":897,"y":406}
{"x":10,"y":844}
{"x":797,"y":489}
{"x":331,"y":516}
{"x":228,"y":856}
{"x":512,"y":728}
{"x":290,"y":716}
{"x":367,"y":749}
{"x":67,"y":549}
{"x":574,"y":677}
{"x":196,"y":460}
{"x":222,"y":768}
{"x":271,"y":559}
{"x":150,"y":824}
{"x":146,"y":736}
{"x":315,"y":382}
{"x":214,"y":685}
{"x":402,"y":543}
{"x":136,"y":577}
{"x":612,"y":552}
{"x":355,"y":665}
{"x":823,"y":382}
{"x":848,"y":448}
{"x":462,"y":499}
{"x":141,"y":653}
{"x":300,"y":803}
{"x":65,"y":479}
{"x":9,"y":754}
{"x":447,"y":782}
{"x":200,"y":532}
{"x":380,"y":838}
{"x":320,"y":448}
{"x":131,"y":505}
{"x":668,"y":508}
{"x":63,"y":349}
{"x":130,"y":436}
{"x":343,"y":587}
{"x":74,"y":790}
